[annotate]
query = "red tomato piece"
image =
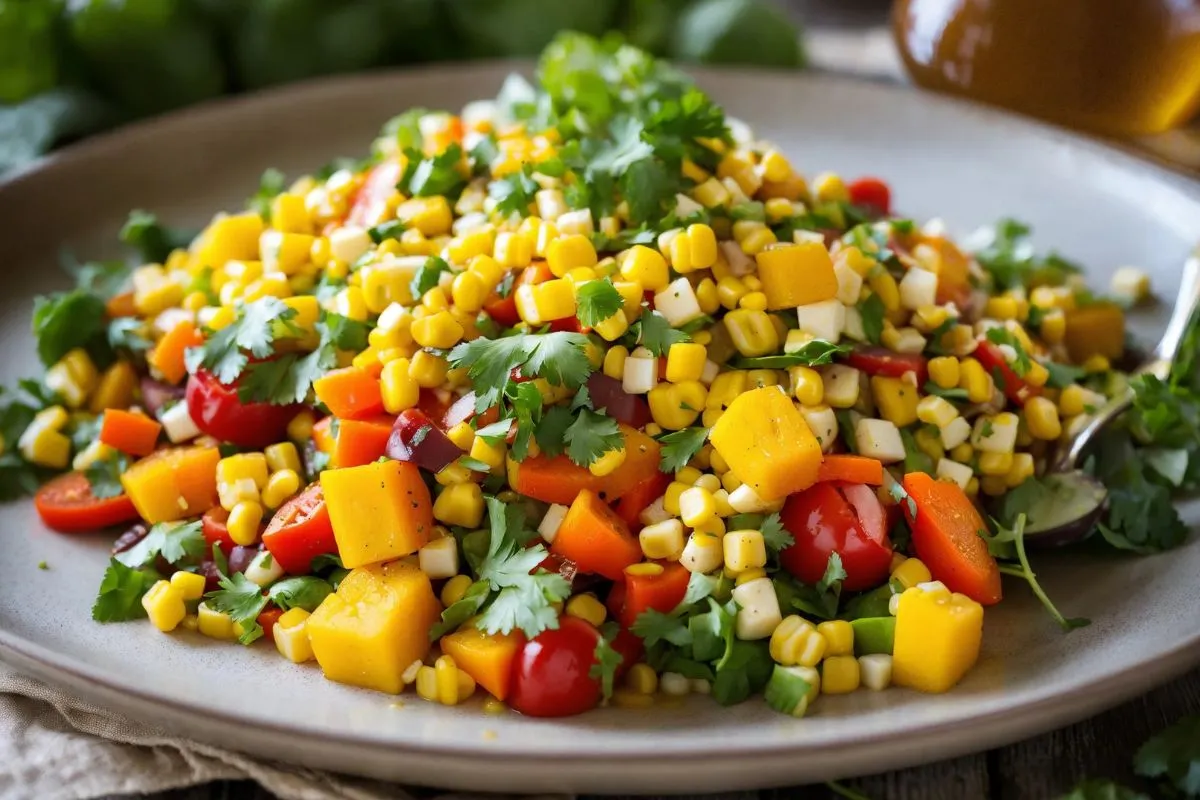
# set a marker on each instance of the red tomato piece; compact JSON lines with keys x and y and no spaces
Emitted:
{"x":217,"y":411}
{"x":551,"y":672}
{"x":1015,"y":388}
{"x":371,"y":200}
{"x":504,"y":309}
{"x":215,"y":531}
{"x":871,"y":193}
{"x":842,"y":518}
{"x":884,"y":362}
{"x":267,"y":619}
{"x":67,"y":505}
{"x":300,"y":531}
{"x":637,"y":499}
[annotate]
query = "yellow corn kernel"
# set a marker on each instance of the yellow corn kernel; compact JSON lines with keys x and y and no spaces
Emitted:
{"x":214,"y":624}
{"x":568,"y":252}
{"x":291,"y":636}
{"x":115,"y":388}
{"x":454,"y":589}
{"x":244,"y":520}
{"x":884,"y":285}
{"x":747,"y":576}
{"x":462,"y":435}
{"x":647,"y":267}
{"x":707,"y":296}
{"x":545,"y":302}
{"x":190,"y":585}
{"x":744,"y":550}
{"x":754,"y":301}
{"x":280,"y":487}
{"x":758,"y":240}
{"x":428,"y":370}
{"x":1054,"y":327}
{"x":459,"y":504}
{"x":367,"y":360}
{"x":614,"y":362}
{"x":702,"y":241}
{"x":1096,"y":363}
{"x":911,"y":572}
{"x":1073,"y":400}
{"x":626,"y":698}
{"x":752,"y":332}
{"x":283,"y":456}
{"x":398,"y":387}
{"x":240,"y":466}
{"x":462,"y":249}
{"x":440,"y":331}
{"x":349,"y":302}
{"x":840,"y":674}
{"x":299,"y":430}
{"x":446,"y":675}
{"x":1001,"y":307}
{"x":662,"y":540}
{"x":896,"y":400}
{"x":929,"y":442}
{"x":190,"y":623}
{"x":427,"y":684}
{"x":706,"y":481}
{"x":962,"y":453}
{"x":796,"y":642}
{"x":1042,"y":420}
{"x":164,"y":606}
{"x":829,"y":188}
{"x":1037,"y":375}
{"x":975,"y":380}
{"x":154,"y":291}
{"x":608,"y":463}
{"x":431,"y":216}
{"x":730,"y":291}
{"x":675,"y":490}
{"x":685,"y":362}
{"x":712,"y":193}
{"x":1021,"y":470}
{"x":935,"y":410}
{"x":587,"y":608}
{"x":839,"y":636}
{"x":675,"y":406}
{"x":696,"y":506}
{"x":513,"y":250}
{"x":995,"y":464}
{"x":612,"y":328}
{"x":642,"y":679}
{"x":647,"y":569}
{"x":468,"y":291}
{"x":289,"y":213}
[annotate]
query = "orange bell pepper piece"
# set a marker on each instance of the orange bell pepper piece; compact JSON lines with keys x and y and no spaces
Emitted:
{"x":167,"y":355}
{"x":661,"y":591}
{"x":135,"y":434}
{"x":595,"y":538}
{"x":360,"y":441}
{"x":851,"y":469}
{"x":350,"y":393}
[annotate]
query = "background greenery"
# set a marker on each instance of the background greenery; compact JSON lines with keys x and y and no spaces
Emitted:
{"x":72,"y":67}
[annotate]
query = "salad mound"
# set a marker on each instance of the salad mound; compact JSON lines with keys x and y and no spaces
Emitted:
{"x":584,"y":395}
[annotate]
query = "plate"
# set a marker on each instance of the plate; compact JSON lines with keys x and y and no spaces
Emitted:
{"x":966,"y":164}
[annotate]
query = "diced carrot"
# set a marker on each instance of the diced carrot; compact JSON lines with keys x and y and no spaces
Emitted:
{"x":173,"y":484}
{"x":595,"y":538}
{"x":135,"y":434}
{"x":349,"y":393}
{"x":559,"y":480}
{"x":851,"y":469}
{"x":945,"y":533}
{"x":167,"y":355}
{"x":120,"y":305}
{"x":360,"y":441}
{"x":488,"y":658}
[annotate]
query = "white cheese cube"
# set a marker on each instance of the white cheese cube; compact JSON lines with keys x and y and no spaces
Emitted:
{"x":1130,"y":284}
{"x":178,"y":424}
{"x":548,"y":528}
{"x":852,"y":328}
{"x":995,"y":434}
{"x":640,"y":375}
{"x":842,"y":385}
{"x":823,"y":424}
{"x":879,"y":439}
{"x":678,"y":303}
{"x":955,"y":432}
{"x":954,"y":471}
{"x":264,"y":569}
{"x":849,"y":283}
{"x":439,"y":558}
{"x":918,"y":288}
{"x":758,"y":609}
{"x":824,"y":320}
{"x":875,"y":671}
{"x":348,"y":243}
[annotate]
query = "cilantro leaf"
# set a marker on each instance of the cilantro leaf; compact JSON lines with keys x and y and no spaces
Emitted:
{"x":552,"y":430}
{"x":813,"y":354}
{"x":104,"y":476}
{"x":590,"y":436}
{"x":872,"y":312}
{"x":386,"y":230}
{"x":176,"y":542}
{"x":461,"y":610}
{"x":287,"y":379}
{"x":127,"y":333}
{"x":495,"y":433}
{"x":654,"y":626}
{"x":302,"y":591}
{"x":243,"y":601}
{"x":597,"y":301}
{"x":950,"y":394}
{"x":515,"y":193}
{"x":153,"y":240}
{"x":820,"y":601}
{"x":121,"y":591}
{"x":775,"y":535}
{"x":102,"y":278}
{"x":787,"y":692}
{"x":1173,"y":755}
{"x":1062,"y":375}
{"x":427,"y":276}
{"x":436,"y":175}
{"x":1025,"y":572}
{"x":607,"y":660}
{"x":65,"y":320}
{"x":1008,"y":256}
{"x":560,"y":358}
{"x":253,"y":331}
{"x":525,"y":402}
{"x":270,"y":185}
{"x":654,"y":333}
{"x":680,"y":447}
{"x":1003,"y":336}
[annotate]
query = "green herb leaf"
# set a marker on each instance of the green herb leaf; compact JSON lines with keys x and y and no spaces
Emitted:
{"x":428,"y":275}
{"x":653,"y":332}
{"x":153,"y":240}
{"x":515,"y":193}
{"x":872,"y":312}
{"x":461,"y":610}
{"x":787,"y":691}
{"x":1173,"y":756}
{"x":1008,"y":256}
{"x":680,"y":447}
{"x":812,"y":354}
{"x":303,"y":591}
{"x":654,"y":626}
{"x":436,"y":175}
{"x":1003,"y":336}
{"x":590,"y":436}
{"x":270,"y":185}
{"x":66,"y":320}
{"x":243,"y":601}
{"x":177,"y":542}
{"x":253,"y":331}
{"x":121,"y":592}
{"x":1024,"y":571}
{"x":1062,"y":375}
{"x":560,"y":358}
{"x":775,"y":535}
{"x":386,"y":230}
{"x":104,"y":476}
{"x":597,"y":301}
{"x":955,"y":393}
{"x":128,"y":334}
{"x":607,"y":660}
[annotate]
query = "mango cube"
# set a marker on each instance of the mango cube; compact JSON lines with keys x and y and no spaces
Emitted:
{"x":380,"y":511}
{"x":796,"y":275}
{"x":938,"y":634}
{"x":227,"y":238}
{"x":374,"y":626}
{"x":768,"y":445}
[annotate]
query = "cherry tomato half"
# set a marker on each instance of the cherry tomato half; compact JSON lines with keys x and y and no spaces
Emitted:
{"x":217,"y":411}
{"x":213,"y":526}
{"x":842,"y":518}
{"x":300,"y":531}
{"x":66,"y":504}
{"x":871,"y":193}
{"x":1015,"y":387}
{"x":550,"y":673}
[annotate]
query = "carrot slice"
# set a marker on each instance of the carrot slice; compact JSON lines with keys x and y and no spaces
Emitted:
{"x":595,"y":538}
{"x":945,"y":532}
{"x":350,"y":393}
{"x":360,"y":441}
{"x":167,"y":356}
{"x":851,"y":469}
{"x":131,"y":433}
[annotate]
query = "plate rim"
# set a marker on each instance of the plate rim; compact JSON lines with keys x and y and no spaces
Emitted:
{"x":1075,"y":703}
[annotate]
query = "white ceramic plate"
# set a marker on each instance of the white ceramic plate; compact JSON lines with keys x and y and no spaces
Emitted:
{"x":942,"y":158}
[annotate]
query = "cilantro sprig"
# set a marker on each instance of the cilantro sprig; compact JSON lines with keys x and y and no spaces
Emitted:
{"x":679,"y":447}
{"x":252,"y":333}
{"x":288,"y":378}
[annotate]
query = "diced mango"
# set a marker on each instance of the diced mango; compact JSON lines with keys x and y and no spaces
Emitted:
{"x":487,"y":658}
{"x":173,"y":484}
{"x":938,"y":634}
{"x":796,"y":275}
{"x":374,"y":626}
{"x":227,"y":238}
{"x":379,"y":511}
{"x":766,"y":442}
{"x":1095,"y":329}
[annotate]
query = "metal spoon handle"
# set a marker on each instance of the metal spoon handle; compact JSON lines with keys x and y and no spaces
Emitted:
{"x":1159,"y":366}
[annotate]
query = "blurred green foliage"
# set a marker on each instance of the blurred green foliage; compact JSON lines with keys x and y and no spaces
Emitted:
{"x":71,"y":67}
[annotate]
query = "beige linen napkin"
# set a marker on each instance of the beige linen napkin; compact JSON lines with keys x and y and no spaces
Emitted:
{"x":55,"y":746}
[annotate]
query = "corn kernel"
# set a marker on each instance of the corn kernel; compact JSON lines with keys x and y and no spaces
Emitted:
{"x":164,"y":606}
{"x":752,"y":332}
{"x":280,"y":487}
{"x":454,"y":589}
{"x":214,"y":624}
{"x":911,"y":572}
{"x":608,"y":462}
{"x":587,"y":608}
{"x":696,"y":506}
{"x":645,"y":266}
{"x":975,"y":380}
{"x":190,"y":585}
{"x":840,"y":674}
{"x":614,"y":362}
{"x":244,"y":520}
{"x":283,"y":456}
{"x":459,"y":504}
{"x":839,"y":636}
{"x":995,"y":464}
{"x":642,"y":679}
{"x":428,"y":370}
{"x":744,"y":550}
{"x":1042,"y":420}
{"x":685,"y":362}
{"x":662,"y":540}
{"x":796,"y":642}
{"x":291,"y":636}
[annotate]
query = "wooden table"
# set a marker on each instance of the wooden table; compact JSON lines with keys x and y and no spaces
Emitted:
{"x":1042,"y":768}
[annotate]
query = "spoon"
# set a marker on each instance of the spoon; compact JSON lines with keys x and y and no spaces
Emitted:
{"x":1078,"y":498}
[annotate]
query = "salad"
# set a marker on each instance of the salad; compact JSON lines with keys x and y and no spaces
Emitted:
{"x":585,"y":395}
